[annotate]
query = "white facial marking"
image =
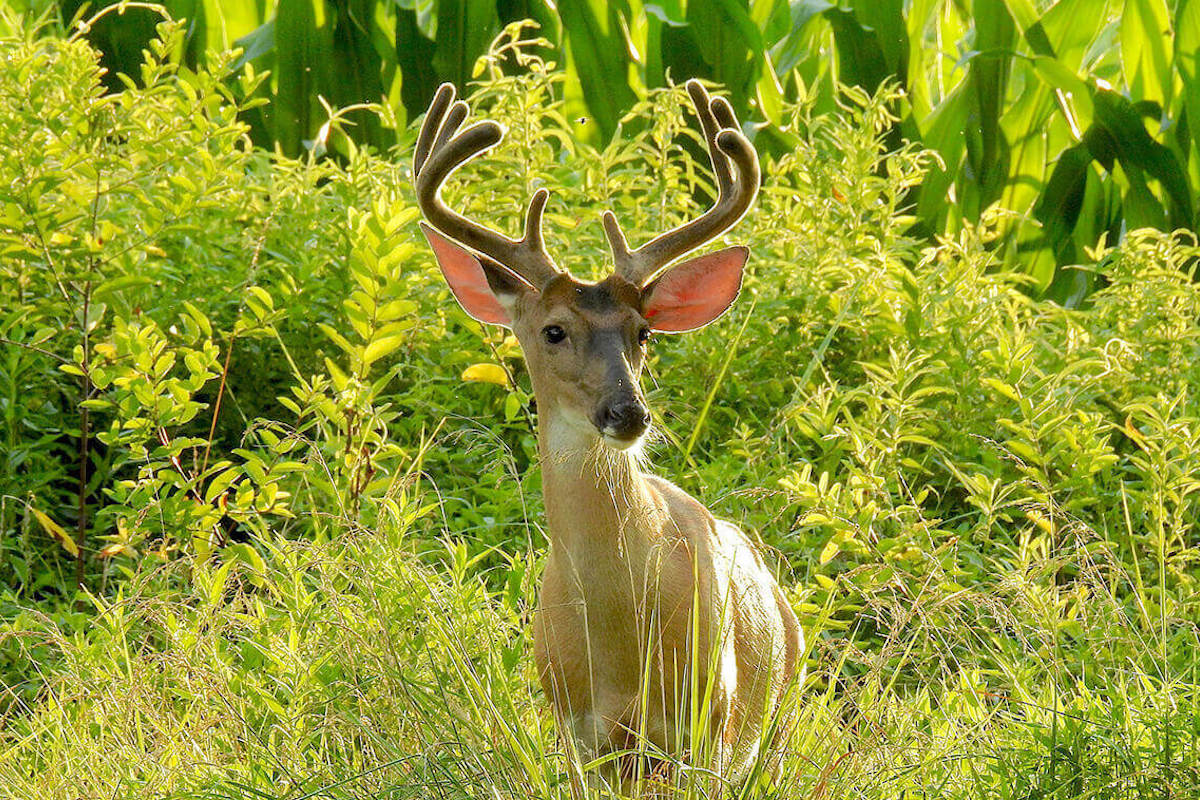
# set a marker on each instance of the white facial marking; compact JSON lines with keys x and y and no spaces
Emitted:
{"x":633,"y":446}
{"x":569,"y":431}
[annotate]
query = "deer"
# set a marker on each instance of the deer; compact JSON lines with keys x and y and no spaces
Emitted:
{"x":647,"y":601}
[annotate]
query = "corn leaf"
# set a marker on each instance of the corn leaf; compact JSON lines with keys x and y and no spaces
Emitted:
{"x":995,"y":37}
{"x":1136,"y":149}
{"x":601,"y":60}
{"x":1187,"y":62}
{"x":304,"y":52}
{"x":465,"y":28}
{"x":1145,"y":39}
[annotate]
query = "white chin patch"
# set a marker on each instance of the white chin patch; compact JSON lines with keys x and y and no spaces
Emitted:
{"x":619,"y":444}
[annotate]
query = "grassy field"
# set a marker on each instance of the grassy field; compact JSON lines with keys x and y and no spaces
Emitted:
{"x":300,"y":555}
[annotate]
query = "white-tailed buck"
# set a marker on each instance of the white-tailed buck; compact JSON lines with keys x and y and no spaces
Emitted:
{"x":648,"y":602}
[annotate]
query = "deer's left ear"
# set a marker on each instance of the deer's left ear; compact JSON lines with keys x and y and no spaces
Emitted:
{"x":692,"y":294}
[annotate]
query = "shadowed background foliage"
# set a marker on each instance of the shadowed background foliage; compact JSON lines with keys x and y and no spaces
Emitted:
{"x":1069,"y":120}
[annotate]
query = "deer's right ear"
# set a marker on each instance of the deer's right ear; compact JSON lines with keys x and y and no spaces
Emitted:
{"x":485,"y":289}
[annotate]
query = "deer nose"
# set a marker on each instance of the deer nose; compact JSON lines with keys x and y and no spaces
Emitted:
{"x":623,"y":419}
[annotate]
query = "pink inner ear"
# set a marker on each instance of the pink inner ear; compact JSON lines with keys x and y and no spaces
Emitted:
{"x":696,"y":292}
{"x":467,"y":280}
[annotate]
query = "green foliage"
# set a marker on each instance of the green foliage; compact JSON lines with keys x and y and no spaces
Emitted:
{"x":103,"y":207}
{"x":1071,"y":121}
{"x":1074,"y":119}
{"x":347,"y":54}
{"x":303,"y":489}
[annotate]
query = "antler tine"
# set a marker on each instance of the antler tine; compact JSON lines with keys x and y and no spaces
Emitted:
{"x":441,"y":149}
{"x":735,"y":167}
{"x":432,"y":124}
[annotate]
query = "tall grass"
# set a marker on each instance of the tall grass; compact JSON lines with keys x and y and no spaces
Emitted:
{"x":350,"y":669}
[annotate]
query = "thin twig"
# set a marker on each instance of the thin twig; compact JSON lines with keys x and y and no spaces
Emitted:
{"x":41,"y":350}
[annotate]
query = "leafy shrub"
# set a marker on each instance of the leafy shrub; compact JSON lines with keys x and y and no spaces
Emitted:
{"x":1073,"y":119}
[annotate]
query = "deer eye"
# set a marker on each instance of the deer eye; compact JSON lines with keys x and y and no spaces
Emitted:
{"x":554,"y":334}
{"x":643,"y":336}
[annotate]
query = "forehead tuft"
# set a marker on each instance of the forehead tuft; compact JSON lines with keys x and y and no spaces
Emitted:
{"x":608,"y":296}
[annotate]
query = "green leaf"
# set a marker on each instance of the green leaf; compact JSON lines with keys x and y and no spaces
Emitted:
{"x":255,"y":45}
{"x":220,"y":483}
{"x":118,"y":284}
{"x":789,"y":51}
{"x":1136,"y":150}
{"x":770,"y":94}
{"x":216,"y":586}
{"x":1142,"y":208}
{"x":465,"y":28}
{"x":1145,"y":35}
{"x":995,"y":37}
{"x":1075,"y":90}
{"x":264,"y":302}
{"x":861,"y":60}
{"x":247,"y":555}
{"x":357,"y":67}
{"x":601,"y":60}
{"x":1062,"y":198}
{"x":95,"y":313}
{"x":729,"y":42}
{"x":512,"y":407}
{"x":830,"y":550}
{"x":885,"y":19}
{"x":337,"y":338}
{"x":1187,"y":63}
{"x":414,"y":58}
{"x":738,"y":18}
{"x":920,"y":81}
{"x":304,"y":56}
{"x":942,"y":131}
{"x":1070,"y":26}
{"x":1003,"y":388}
{"x":381,"y":347}
{"x":1027,"y":19}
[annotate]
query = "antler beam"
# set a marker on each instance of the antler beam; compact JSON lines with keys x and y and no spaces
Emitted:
{"x":441,"y":149}
{"x":729,"y":150}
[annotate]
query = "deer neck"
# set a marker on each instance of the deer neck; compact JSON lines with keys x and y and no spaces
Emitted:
{"x":597,"y":498}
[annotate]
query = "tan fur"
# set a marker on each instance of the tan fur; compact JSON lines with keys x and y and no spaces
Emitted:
{"x":639,"y":570}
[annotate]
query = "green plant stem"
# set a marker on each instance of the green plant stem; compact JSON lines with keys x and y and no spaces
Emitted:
{"x":712,"y":392}
{"x":84,"y":441}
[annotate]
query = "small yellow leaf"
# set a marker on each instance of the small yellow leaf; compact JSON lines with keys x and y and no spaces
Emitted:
{"x":55,"y":530}
{"x":830,"y":550}
{"x":1138,"y":437}
{"x":1046,"y":525}
{"x":509,"y":347}
{"x":486,"y":373}
{"x":1003,"y":388}
{"x":116,"y":549}
{"x":381,"y":347}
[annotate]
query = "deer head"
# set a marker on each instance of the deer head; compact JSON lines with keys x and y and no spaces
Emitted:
{"x":585,"y":342}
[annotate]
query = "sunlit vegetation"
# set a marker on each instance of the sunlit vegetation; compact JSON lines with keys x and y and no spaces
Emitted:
{"x":270,"y":520}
